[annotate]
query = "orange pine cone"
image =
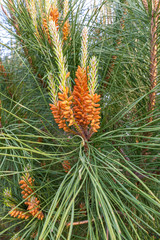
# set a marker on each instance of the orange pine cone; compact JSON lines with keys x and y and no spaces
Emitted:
{"x":62,"y":110}
{"x":82,"y":101}
{"x":94,"y":114}
{"x":45,"y":25}
{"x":65,"y":105}
{"x":32,"y":201}
{"x":66,"y":165}
{"x":65,"y":30}
{"x":19,"y":214}
{"x":53,"y":16}
{"x":25,"y":184}
{"x":58,"y":116}
{"x":34,"y":208}
{"x":85,"y":112}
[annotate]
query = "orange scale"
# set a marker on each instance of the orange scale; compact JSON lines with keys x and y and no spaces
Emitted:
{"x":21,"y":182}
{"x":61,"y":98}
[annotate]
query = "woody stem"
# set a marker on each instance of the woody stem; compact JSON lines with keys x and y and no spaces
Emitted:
{"x":153,"y":62}
{"x":153,"y":68}
{"x":80,"y":131}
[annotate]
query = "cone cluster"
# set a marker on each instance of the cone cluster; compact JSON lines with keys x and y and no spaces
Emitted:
{"x":65,"y":30}
{"x":51,"y":13}
{"x":85,"y":105}
{"x":75,"y":111}
{"x":62,"y":111}
{"x":66,"y":165}
{"x":82,"y":102}
{"x":32,"y":202}
{"x":79,"y":109}
{"x":19,"y":214}
{"x":54,"y":16}
{"x":66,"y":26}
{"x":15,"y":211}
{"x":26,"y":184}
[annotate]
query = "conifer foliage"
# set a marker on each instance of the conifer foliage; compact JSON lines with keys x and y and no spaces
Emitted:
{"x":80,"y":120}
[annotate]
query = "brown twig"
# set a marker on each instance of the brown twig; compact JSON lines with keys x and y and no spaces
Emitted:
{"x":78,"y":223}
{"x":153,"y":61}
{"x":124,"y":155}
{"x":153,"y":66}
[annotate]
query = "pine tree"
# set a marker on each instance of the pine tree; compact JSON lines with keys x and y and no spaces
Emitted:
{"x":80,"y":121}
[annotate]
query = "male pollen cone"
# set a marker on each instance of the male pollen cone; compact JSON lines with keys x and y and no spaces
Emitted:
{"x":66,"y":165}
{"x":66,"y":30}
{"x":66,"y":108}
{"x":53,"y":16}
{"x":26,"y":186}
{"x":81,"y":109}
{"x":20,"y":214}
{"x":94,"y":114}
{"x":82,"y":101}
{"x":45,"y":25}
{"x":34,"y":208}
{"x":58,"y":116}
{"x":31,"y":201}
{"x":62,"y":110}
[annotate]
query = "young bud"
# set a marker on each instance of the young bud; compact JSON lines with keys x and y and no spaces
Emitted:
{"x":61,"y":60}
{"x":84,"y":48}
{"x":93,"y":75}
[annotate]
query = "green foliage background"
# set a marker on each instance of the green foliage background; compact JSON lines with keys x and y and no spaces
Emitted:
{"x":117,"y":183}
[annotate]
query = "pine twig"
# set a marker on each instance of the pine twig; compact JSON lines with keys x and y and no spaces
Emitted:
{"x":79,"y":223}
{"x":153,"y":65}
{"x":153,"y":61}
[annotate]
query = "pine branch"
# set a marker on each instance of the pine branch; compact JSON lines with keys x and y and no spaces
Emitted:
{"x":153,"y":61}
{"x":153,"y":66}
